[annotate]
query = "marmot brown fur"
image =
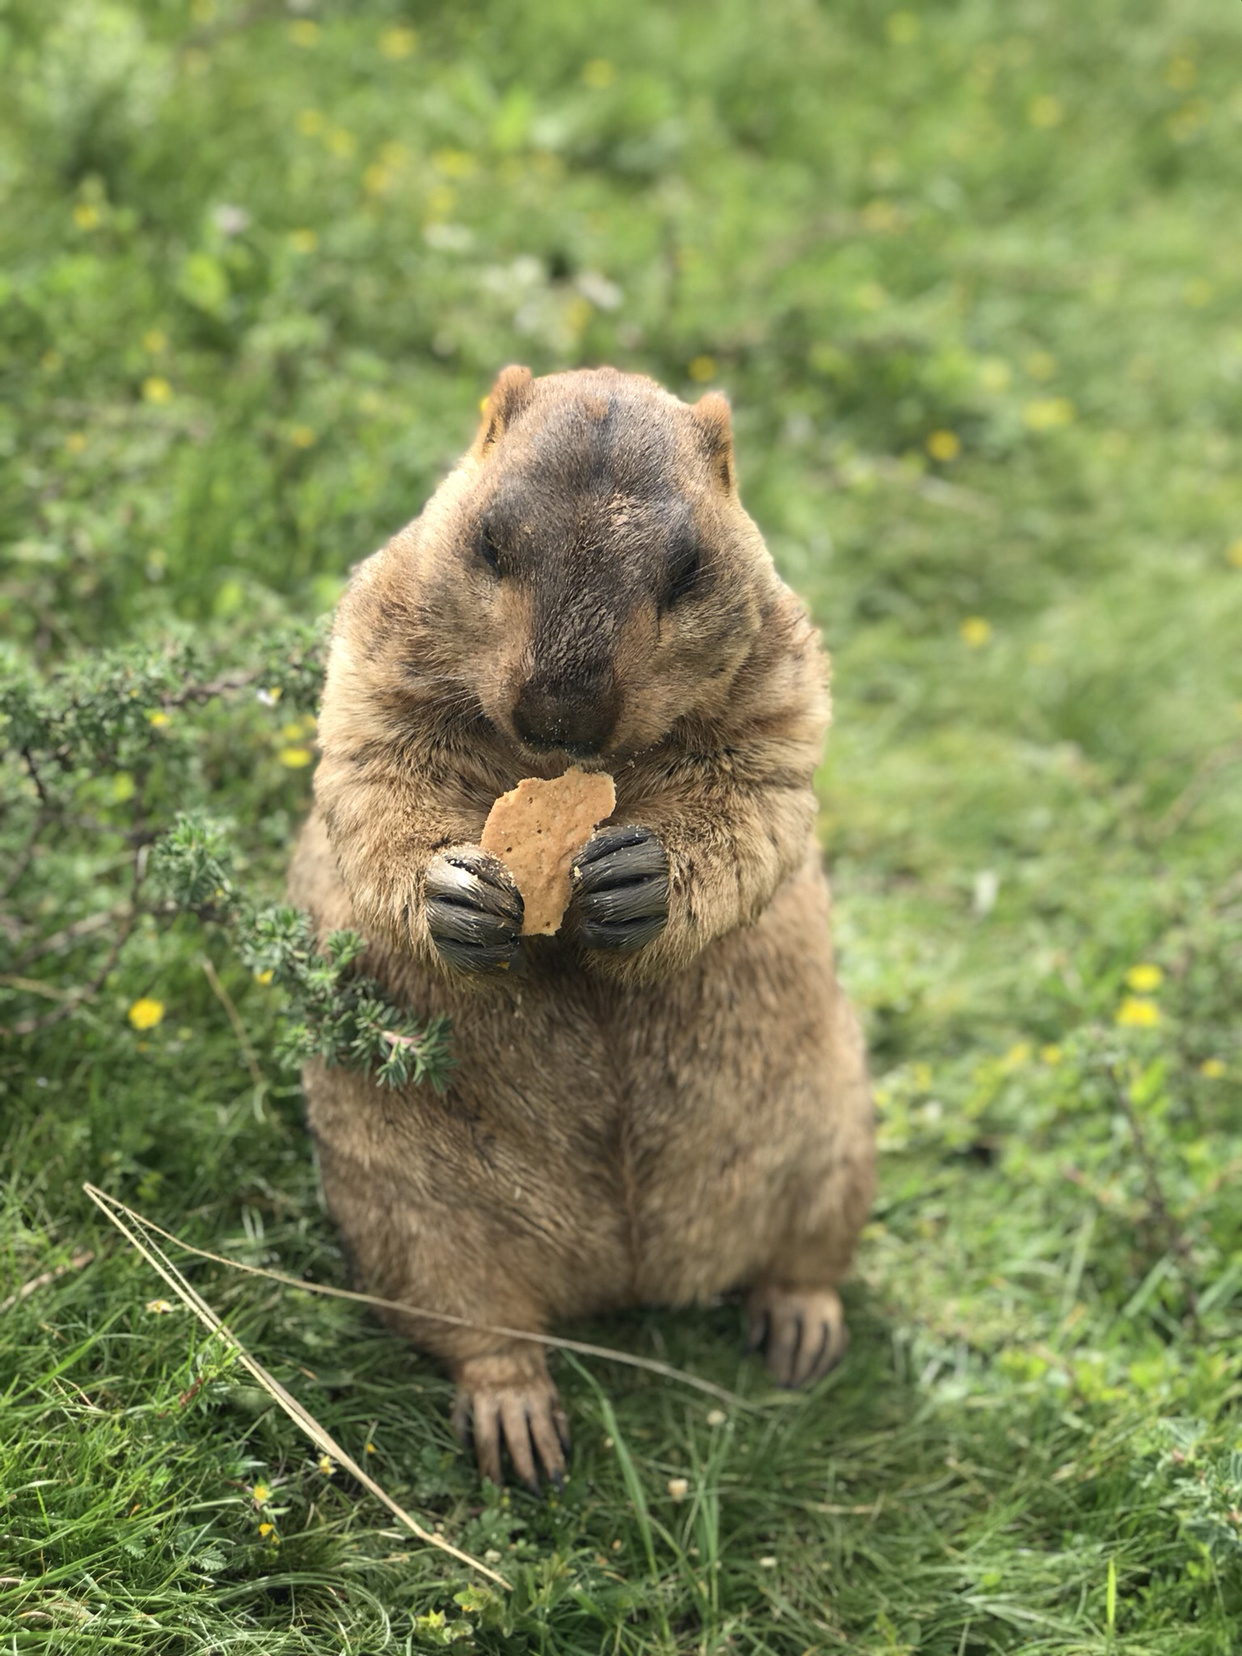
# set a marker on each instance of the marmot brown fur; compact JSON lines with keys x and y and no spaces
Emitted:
{"x":669,"y":1098}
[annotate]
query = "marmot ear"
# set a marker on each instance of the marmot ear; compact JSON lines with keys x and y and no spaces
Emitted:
{"x":503,"y":403}
{"x":715,"y":429}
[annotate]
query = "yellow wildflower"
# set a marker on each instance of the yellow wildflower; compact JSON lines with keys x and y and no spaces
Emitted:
{"x":1213,"y":1068}
{"x":267,"y":1529}
{"x":303,"y":241}
{"x":880,"y":217}
{"x":146,"y":1013}
{"x":1137,"y":1013}
{"x":975,"y":631}
{"x":302,"y":436}
{"x":944,"y":445}
{"x":995,"y":374}
{"x":701,"y":369}
{"x":304,"y":32}
{"x":159,"y":1306}
{"x":158,"y":719}
{"x":1181,"y":73}
{"x":1045,"y":111}
{"x":1051,"y":1055}
{"x":260,"y":1493}
{"x":1045,"y":413}
{"x":454,"y":163}
{"x":86,"y":215}
{"x":1145,"y":978}
{"x":398,"y":42}
{"x":296,"y":758}
{"x":1234,"y":554}
{"x":265,"y":976}
{"x":75,"y":442}
{"x":578,"y":313}
{"x":370,"y":1448}
{"x":156,"y":389}
{"x":310,"y":122}
{"x":902,"y":28}
{"x":327,"y":1465}
{"x":598,"y":73}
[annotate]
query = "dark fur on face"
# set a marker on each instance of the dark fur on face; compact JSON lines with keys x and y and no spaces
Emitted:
{"x":589,"y":569}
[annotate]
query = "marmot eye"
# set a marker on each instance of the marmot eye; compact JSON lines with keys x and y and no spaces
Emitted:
{"x":683,"y":572}
{"x":488,"y":550}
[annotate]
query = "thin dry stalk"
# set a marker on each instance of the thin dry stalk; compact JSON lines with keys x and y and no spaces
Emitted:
{"x":78,"y":1261}
{"x":301,"y":1416}
{"x":1174,"y":1237}
{"x":581,"y":1348}
{"x":1192,"y":794}
{"x":234,"y":1017}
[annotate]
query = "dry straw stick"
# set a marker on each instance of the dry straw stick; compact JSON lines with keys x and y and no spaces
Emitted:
{"x":581,"y":1348}
{"x":323,"y":1440}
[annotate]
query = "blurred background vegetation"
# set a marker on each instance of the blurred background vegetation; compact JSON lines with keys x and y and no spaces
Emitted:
{"x":969,"y":273}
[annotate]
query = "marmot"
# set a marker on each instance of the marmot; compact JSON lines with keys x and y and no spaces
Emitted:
{"x":669,"y":1098}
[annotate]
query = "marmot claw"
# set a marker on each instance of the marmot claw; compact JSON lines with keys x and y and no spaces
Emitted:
{"x":801,"y":1330}
{"x":525,"y":1418}
{"x":620,"y":889}
{"x":474,"y":910}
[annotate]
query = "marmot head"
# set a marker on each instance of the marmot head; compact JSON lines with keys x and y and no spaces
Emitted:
{"x":587,"y":574}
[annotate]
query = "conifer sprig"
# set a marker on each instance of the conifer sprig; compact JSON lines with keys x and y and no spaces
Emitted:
{"x":104,"y":788}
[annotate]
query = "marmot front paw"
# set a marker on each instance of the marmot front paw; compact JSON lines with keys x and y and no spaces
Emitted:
{"x":474,"y":909}
{"x":620,"y":889}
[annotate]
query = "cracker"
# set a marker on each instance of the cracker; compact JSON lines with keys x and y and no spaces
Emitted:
{"x":537,"y":828}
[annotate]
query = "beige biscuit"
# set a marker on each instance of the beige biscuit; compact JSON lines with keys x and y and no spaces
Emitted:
{"x":536,"y":828}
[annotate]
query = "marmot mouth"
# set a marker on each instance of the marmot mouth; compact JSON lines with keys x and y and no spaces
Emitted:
{"x":551,"y":759}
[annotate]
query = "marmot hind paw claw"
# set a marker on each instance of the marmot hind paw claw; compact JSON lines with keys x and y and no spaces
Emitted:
{"x":801,"y":1331}
{"x":526,"y":1419}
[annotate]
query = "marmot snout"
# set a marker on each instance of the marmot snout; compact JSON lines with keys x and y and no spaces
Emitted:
{"x":671,"y":1100}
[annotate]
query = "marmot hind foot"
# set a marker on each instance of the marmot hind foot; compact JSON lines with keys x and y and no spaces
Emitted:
{"x":801,"y":1331}
{"x":509,"y":1401}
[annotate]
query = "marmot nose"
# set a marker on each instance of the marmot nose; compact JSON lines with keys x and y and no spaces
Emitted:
{"x":578,"y":715}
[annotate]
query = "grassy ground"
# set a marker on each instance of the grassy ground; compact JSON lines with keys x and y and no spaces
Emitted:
{"x":967,"y":272}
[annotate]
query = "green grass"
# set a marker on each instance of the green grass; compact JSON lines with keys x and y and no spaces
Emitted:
{"x":257,"y":270}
